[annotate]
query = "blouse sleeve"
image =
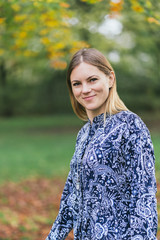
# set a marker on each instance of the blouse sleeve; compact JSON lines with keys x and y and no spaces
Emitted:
{"x":139,"y":156}
{"x":64,"y":221}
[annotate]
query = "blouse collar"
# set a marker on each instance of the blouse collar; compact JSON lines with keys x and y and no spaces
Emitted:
{"x":97,"y":121}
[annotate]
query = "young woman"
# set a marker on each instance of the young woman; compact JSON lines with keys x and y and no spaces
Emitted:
{"x":110,"y":190}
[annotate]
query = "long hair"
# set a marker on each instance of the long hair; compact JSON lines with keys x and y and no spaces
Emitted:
{"x":93,"y":57}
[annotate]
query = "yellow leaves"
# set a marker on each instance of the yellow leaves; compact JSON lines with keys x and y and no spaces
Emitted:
{"x":16,"y":7}
{"x":19,"y":43}
{"x":45,"y":41}
{"x":147,"y":8}
{"x":54,"y":54}
{"x":49,"y":20}
{"x":43,"y":31}
{"x":22,"y":35}
{"x":44,"y":17}
{"x":138,"y":8}
{"x":29,"y":27}
{"x":28,"y":53}
{"x":148,"y":4}
{"x":91,"y":1}
{"x":1,"y":51}
{"x":36,"y":26}
{"x":2,"y":20}
{"x":78,"y":45}
{"x":55,"y":50}
{"x":20,"y":18}
{"x":51,"y":23}
{"x":59,"y":45}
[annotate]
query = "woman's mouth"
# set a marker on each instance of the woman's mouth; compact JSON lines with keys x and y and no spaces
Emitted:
{"x":88,"y":98}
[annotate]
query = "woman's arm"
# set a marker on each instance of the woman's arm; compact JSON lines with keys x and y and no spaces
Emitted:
{"x":64,"y":221}
{"x":140,"y":156}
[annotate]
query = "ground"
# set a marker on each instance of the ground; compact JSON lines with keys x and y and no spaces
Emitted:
{"x":28,"y":208}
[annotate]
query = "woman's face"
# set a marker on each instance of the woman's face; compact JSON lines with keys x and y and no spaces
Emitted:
{"x":90,"y":88}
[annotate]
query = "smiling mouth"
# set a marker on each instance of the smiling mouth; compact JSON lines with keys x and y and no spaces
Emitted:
{"x":89,"y":97}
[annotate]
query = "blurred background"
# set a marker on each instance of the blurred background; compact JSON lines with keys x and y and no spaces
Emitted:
{"x":37,"y":126}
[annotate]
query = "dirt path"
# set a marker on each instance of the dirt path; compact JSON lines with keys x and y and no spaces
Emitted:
{"x":28,"y":208}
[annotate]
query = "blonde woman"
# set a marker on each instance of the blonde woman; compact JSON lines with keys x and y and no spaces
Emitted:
{"x":110,"y":190}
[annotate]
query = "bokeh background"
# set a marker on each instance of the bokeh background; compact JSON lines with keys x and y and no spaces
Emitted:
{"x":37,"y":126}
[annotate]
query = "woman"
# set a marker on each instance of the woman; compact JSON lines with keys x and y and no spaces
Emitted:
{"x":110,"y":190}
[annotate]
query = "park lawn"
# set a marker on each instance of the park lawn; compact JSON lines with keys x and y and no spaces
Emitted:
{"x":32,"y":147}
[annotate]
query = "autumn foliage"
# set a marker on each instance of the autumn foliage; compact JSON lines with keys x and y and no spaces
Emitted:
{"x":29,"y":208}
{"x":31,"y":28}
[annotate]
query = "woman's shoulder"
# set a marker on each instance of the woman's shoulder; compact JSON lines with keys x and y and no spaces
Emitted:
{"x":131,"y":120}
{"x":128,"y":117}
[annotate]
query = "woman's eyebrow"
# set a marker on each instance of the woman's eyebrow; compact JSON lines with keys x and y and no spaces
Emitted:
{"x":75,"y":80}
{"x":91,"y":77}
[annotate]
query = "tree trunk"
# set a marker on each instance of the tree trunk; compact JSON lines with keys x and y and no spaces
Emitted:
{"x":6,"y":109}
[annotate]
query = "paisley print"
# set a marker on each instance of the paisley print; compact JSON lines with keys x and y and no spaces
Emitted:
{"x":113,"y":164}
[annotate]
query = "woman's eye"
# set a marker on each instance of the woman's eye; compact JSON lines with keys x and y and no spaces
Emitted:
{"x":93,"y":79}
{"x":76,"y":84}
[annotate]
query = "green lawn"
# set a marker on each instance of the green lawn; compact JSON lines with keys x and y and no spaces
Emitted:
{"x":42,"y":146}
{"x":31,"y":147}
{"x":156,"y":144}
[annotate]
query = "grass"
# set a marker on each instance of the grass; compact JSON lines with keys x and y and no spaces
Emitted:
{"x":42,"y":146}
{"x":156,"y":144}
{"x":31,"y":147}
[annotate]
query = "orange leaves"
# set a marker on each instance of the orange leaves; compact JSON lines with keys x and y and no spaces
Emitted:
{"x":64,"y":5}
{"x":58,"y":64}
{"x":116,"y":6}
{"x":144,"y":7}
{"x":27,"y":209}
{"x":147,"y":8}
{"x":38,"y":25}
{"x":45,"y":27}
{"x":153,"y":20}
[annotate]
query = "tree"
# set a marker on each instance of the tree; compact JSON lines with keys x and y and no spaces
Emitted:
{"x":32,"y":27}
{"x":40,"y":33}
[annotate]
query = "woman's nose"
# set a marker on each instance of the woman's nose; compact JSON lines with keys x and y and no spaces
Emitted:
{"x":86,"y":88}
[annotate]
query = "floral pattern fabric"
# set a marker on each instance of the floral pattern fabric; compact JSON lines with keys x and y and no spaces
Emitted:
{"x":110,"y":190}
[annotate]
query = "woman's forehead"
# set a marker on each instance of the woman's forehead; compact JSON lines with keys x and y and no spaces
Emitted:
{"x":84,"y":70}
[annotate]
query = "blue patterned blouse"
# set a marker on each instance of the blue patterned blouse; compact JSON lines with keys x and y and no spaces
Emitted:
{"x":110,"y":190}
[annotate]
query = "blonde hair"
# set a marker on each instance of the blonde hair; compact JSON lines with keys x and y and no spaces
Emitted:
{"x":93,"y":57}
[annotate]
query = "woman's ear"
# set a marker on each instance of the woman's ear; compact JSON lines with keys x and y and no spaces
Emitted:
{"x":111,"y":79}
